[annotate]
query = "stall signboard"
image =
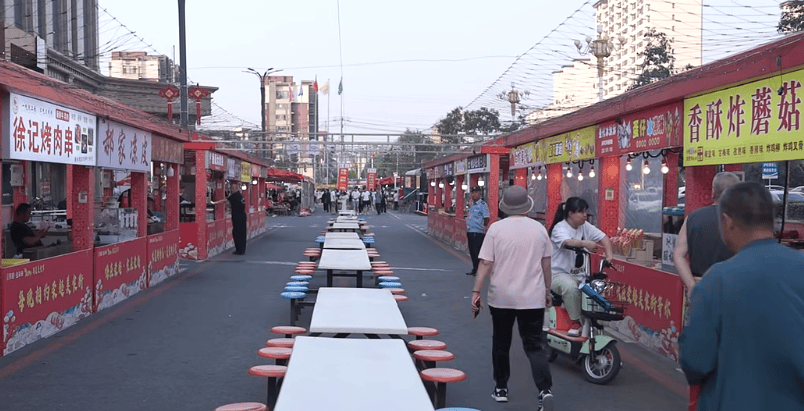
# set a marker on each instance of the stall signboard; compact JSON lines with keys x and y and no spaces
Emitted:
{"x":43,"y":297}
{"x":572,"y":146}
{"x":528,"y":155}
{"x":449,"y":169}
{"x":751,"y":123}
{"x":41,"y":131}
{"x":163,"y":256}
{"x":460,"y":167}
{"x":263,"y":173}
{"x":653,"y":129}
{"x":120,"y":272}
{"x":216,"y":161}
{"x":245,"y":172}
{"x":255,"y":170}
{"x":478,"y":164}
{"x":232,"y":169}
{"x":166,"y":150}
{"x":371,"y":178}
{"x":123,"y":147}
{"x":343,"y":179}
{"x":438,"y":172}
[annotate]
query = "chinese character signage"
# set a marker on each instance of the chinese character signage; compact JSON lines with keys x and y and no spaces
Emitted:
{"x":371,"y":178}
{"x":528,"y":155}
{"x":216,"y":161}
{"x":751,"y":123}
{"x":460,"y":167}
{"x":40,"y":131}
{"x":232,"y":169}
{"x":449,"y":170}
{"x":477,"y":164}
{"x":343,"y":179}
{"x":245,"y":172}
{"x":647,"y":130}
{"x":124,"y":148}
{"x":120,"y":272}
{"x":255,"y":170}
{"x":167,"y":150}
{"x":572,"y":146}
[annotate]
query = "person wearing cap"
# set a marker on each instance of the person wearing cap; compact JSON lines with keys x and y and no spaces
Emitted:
{"x":516,"y":254}
{"x":476,"y":222}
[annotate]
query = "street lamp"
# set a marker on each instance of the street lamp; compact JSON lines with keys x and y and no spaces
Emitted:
{"x":262,"y":102}
{"x":513,"y":97}
{"x":601,"y":47}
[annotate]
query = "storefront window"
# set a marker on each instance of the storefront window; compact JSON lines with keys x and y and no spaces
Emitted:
{"x":794,"y":214}
{"x":115,"y":218}
{"x":644,"y":194}
{"x":585,"y":188}
{"x":537,"y":190}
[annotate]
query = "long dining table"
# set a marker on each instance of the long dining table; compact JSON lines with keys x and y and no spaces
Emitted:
{"x":368,"y":311}
{"x":347,"y":263}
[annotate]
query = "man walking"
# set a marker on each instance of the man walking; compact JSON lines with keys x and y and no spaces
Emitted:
{"x":355,"y":197}
{"x":325,"y":200}
{"x":378,"y":199}
{"x":743,"y":344}
{"x":517,"y":254}
{"x":476,"y":223}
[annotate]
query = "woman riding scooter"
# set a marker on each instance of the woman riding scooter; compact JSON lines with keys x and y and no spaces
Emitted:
{"x":570,"y":229}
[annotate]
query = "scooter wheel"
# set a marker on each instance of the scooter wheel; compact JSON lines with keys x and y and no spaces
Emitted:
{"x":604,"y":367}
{"x":552,"y":354}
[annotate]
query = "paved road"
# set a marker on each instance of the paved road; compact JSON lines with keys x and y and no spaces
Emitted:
{"x":188,"y":343}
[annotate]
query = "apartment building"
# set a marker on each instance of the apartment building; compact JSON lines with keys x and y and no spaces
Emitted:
{"x":138,"y":65}
{"x":291,"y":113}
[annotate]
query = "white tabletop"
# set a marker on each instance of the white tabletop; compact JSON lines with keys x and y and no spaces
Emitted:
{"x":345,"y":236}
{"x":345,"y":226}
{"x":346,"y":212}
{"x":344,"y":244}
{"x":347,"y":220}
{"x":346,"y":374}
{"x":353,"y":260}
{"x":357,"y":310}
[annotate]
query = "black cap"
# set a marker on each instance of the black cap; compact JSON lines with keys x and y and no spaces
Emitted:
{"x":476,"y":188}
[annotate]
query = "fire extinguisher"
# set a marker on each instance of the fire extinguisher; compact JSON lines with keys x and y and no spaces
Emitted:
{"x":124,"y":203}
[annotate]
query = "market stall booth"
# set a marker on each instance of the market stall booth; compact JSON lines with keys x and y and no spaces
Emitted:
{"x":450,"y":179}
{"x":164,"y":236}
{"x":202,"y":221}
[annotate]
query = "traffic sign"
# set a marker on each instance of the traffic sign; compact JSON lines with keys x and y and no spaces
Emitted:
{"x":770,"y":171}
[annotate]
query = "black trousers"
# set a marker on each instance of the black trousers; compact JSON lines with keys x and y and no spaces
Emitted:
{"x":378,"y":206}
{"x":326,"y":206}
{"x":239,"y":233}
{"x":530,"y":330}
{"x":475,"y":242}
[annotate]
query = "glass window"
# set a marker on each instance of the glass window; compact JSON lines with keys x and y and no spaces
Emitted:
{"x":587,"y":188}
{"x":794,"y":214}
{"x":644,"y":194}
{"x":537,"y":190}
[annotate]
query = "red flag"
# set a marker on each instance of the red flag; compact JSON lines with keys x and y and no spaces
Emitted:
{"x":315,"y":85}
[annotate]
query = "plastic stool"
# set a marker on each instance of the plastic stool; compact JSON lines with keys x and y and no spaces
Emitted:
{"x":388,"y":279}
{"x":417,"y":345}
{"x":294,"y":308}
{"x":442,"y":376}
{"x":280,"y":342}
{"x":288,"y":331}
{"x":243,"y":406}
{"x":297,"y":283}
{"x":301,"y":277}
{"x":273,"y":373}
{"x":400,"y":298}
{"x":396,"y":291}
{"x":296,"y":289}
{"x":390,"y":285}
{"x":280,"y":354}
{"x":420,"y":332}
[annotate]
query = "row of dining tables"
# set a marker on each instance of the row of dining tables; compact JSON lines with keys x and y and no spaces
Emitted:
{"x":352,"y":374}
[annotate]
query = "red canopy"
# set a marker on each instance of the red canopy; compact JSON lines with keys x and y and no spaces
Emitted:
{"x":272,"y":186}
{"x":284,"y":175}
{"x":387,"y":181}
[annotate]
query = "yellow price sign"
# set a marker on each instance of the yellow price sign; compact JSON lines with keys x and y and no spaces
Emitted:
{"x":750,"y":123}
{"x":574,"y":145}
{"x":245,"y":172}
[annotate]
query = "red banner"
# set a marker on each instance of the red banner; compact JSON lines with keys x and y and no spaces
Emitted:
{"x":40,"y":298}
{"x":163,"y":256}
{"x":343,"y":179}
{"x":120,"y":272}
{"x":216,"y":237}
{"x":647,"y":130}
{"x":371,"y":181}
{"x":654,"y":305}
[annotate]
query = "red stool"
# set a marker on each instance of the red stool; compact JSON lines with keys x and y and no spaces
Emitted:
{"x":421,"y":332}
{"x":430,"y":357}
{"x":243,"y":406}
{"x":273,"y":373}
{"x":280,"y":354}
{"x":417,"y":345}
{"x":379,"y":263}
{"x":288,"y":330}
{"x":441,"y":377}
{"x":397,"y":291}
{"x":280,"y":342}
{"x":304,"y":271}
{"x":400,"y":298}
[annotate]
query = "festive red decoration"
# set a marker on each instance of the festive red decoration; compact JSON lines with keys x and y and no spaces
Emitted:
{"x":169,"y":93}
{"x":198,"y":93}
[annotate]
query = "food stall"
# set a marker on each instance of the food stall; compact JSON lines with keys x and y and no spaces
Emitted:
{"x":202,"y":184}
{"x":167,"y":156}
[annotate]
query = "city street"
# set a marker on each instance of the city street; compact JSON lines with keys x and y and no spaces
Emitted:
{"x":188,"y":343}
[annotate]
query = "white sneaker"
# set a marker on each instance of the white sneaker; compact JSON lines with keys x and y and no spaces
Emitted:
{"x":574,"y":332}
{"x":546,"y":401}
{"x":500,"y":394}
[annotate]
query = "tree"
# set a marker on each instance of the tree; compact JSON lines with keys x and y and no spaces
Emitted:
{"x":792,"y":19}
{"x":451,"y":125}
{"x":658,"y":59}
{"x":408,"y":157}
{"x":483,"y":121}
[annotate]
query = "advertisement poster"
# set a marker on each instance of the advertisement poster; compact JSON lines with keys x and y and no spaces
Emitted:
{"x":245,"y":172}
{"x":41,"y":298}
{"x":40,"y":131}
{"x":216,"y":161}
{"x":371,"y":179}
{"x":163,"y":256}
{"x":572,"y":146}
{"x":232,"y":169}
{"x":124,"y":147}
{"x":120,"y":272}
{"x":166,"y":150}
{"x":343,"y":179}
{"x":475,"y":164}
{"x":648,"y":130}
{"x":751,"y":123}
{"x":528,"y":155}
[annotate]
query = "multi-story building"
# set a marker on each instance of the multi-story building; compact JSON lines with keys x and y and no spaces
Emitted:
{"x":576,"y":85}
{"x":291,"y":113}
{"x":138,"y":65}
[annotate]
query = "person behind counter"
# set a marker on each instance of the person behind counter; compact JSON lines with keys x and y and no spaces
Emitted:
{"x":22,"y":235}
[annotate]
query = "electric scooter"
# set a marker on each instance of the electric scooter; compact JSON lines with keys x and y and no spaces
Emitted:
{"x":596,"y":352}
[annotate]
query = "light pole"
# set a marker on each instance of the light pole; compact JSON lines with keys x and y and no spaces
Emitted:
{"x":262,"y":103}
{"x":601,"y":47}
{"x":513,"y":97}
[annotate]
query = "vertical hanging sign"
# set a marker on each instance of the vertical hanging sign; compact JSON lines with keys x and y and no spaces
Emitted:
{"x":371,"y":178}
{"x":343,"y":179}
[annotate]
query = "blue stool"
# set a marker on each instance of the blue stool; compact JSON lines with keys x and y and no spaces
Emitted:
{"x":368,"y":241}
{"x":292,"y":288}
{"x":298,"y":283}
{"x":301,"y":277}
{"x":295,"y":309}
{"x":390,"y":285}
{"x":388,"y":279}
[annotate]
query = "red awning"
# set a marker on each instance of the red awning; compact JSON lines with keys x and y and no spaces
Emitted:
{"x":271,"y":186}
{"x":284,"y":175}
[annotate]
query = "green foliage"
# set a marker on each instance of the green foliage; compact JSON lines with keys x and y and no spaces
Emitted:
{"x":659,"y":59}
{"x":483,"y":121}
{"x":792,"y":19}
{"x":407,"y":157}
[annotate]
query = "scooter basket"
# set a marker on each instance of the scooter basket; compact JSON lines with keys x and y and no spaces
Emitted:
{"x":616,"y":311}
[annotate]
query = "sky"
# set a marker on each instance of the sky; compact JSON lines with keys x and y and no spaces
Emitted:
{"x":405,"y":64}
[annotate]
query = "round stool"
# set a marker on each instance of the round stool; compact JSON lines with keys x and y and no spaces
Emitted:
{"x":301,"y":277}
{"x":390,"y":285}
{"x":420,"y":332}
{"x":270,"y":371}
{"x":280,"y":342}
{"x":388,"y":279}
{"x":400,"y":298}
{"x":297,"y":283}
{"x":397,"y":291}
{"x":442,"y":376}
{"x":417,"y":345}
{"x":379,"y":263}
{"x":288,"y":331}
{"x":430,"y":357}
{"x":276,"y":353}
{"x":243,"y":406}
{"x":296,"y":289}
{"x":304,"y":271}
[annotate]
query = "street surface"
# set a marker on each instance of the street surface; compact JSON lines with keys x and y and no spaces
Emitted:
{"x":188,"y":343}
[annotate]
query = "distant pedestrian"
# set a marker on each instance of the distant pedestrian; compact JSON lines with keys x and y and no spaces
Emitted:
{"x":396,"y":199}
{"x":516,"y":254}
{"x":365,"y":201}
{"x":355,"y":197}
{"x":476,"y":222}
{"x":743,"y":343}
{"x":237,"y":204}
{"x":326,"y":200}
{"x":378,"y":200}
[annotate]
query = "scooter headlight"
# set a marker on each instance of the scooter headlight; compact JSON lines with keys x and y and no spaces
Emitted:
{"x":599,"y":286}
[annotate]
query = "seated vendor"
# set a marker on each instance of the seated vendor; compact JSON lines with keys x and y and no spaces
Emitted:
{"x":22,"y":235}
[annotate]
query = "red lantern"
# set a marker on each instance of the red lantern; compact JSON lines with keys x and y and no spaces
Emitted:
{"x":169,"y":93}
{"x":198,"y":93}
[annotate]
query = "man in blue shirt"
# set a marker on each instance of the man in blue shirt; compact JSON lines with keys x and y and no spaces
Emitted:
{"x":743,"y":344}
{"x":476,"y":222}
